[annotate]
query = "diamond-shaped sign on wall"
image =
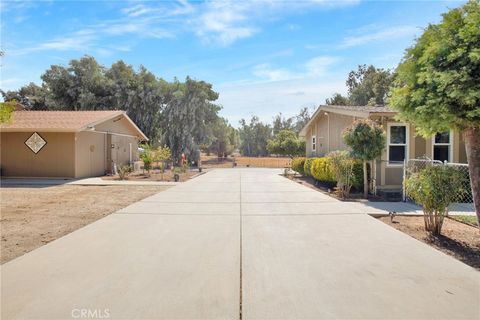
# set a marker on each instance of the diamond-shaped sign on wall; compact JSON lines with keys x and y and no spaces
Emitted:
{"x":35,"y":142}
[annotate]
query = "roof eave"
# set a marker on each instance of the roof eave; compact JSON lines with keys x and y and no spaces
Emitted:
{"x":38,"y":130}
{"x":141,"y":136}
{"x":326,"y":108}
{"x":383,"y":114}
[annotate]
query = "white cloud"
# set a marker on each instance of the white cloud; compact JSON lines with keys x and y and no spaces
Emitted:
{"x":78,"y":41}
{"x":314,"y":67}
{"x":140,"y":28}
{"x":265,"y":71}
{"x":320,"y":65}
{"x":224,"y":22}
{"x":136,"y":10}
{"x":378,"y":35}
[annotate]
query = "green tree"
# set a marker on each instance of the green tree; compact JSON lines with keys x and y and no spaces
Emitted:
{"x":140,"y":94}
{"x":188,"y":113}
{"x":301,"y":119}
{"x":6,"y":110}
{"x":281,"y":123}
{"x":220,"y":142}
{"x":181,"y":115}
{"x":337,"y":100}
{"x":80,"y":86}
{"x":31,"y":96}
{"x":254,"y":137}
{"x":286,"y":143}
{"x":367,"y":141}
{"x":234,"y":138}
{"x":438,"y":83}
{"x":368,"y":85}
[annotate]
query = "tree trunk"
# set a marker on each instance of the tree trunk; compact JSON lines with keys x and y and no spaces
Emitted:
{"x":472,"y":144}
{"x":365,"y":180}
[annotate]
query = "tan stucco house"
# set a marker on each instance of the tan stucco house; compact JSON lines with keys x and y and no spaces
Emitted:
{"x":323,"y":133}
{"x":67,"y":144}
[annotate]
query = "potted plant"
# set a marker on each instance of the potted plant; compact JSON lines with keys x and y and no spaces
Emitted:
{"x":176,"y":174}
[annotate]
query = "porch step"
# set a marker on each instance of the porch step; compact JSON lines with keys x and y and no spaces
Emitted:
{"x":390,"y":194}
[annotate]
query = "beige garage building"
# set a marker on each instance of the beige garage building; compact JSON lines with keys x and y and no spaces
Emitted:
{"x":67,"y":144}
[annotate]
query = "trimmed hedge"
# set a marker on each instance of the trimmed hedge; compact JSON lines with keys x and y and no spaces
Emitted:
{"x":307,"y":168}
{"x":298,"y":165}
{"x":321,"y":170}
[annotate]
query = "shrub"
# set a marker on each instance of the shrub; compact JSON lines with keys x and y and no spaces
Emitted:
{"x":321,"y":170}
{"x":434,"y":187}
{"x":162,"y":155}
{"x":298,"y":165}
{"x":124,"y":171}
{"x":342,"y":167}
{"x":357,"y":182}
{"x":147,"y":156}
{"x":307,"y":168}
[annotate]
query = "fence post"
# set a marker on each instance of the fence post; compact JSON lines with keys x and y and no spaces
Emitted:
{"x":404,"y":193}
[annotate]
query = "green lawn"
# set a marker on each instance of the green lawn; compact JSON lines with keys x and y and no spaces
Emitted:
{"x":467,"y":219}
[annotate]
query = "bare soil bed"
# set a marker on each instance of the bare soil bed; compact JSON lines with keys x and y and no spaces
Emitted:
{"x":458,"y":239}
{"x":32,"y":217}
{"x":156,"y":175}
{"x":310,"y":183}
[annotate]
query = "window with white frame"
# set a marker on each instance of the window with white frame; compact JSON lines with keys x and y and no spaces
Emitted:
{"x":314,"y":143}
{"x":397,"y":139}
{"x":442,"y":143}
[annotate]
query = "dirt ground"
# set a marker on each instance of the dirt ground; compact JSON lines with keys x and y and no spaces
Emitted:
{"x":459,"y":240}
{"x":33,"y":216}
{"x":156,"y":175}
{"x":257,"y":162}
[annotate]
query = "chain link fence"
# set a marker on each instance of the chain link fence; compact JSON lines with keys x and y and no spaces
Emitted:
{"x":463,"y":197}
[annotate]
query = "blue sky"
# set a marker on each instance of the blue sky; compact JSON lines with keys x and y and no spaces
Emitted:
{"x":263,"y":57}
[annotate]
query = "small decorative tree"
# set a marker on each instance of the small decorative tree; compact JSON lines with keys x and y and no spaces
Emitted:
{"x":435,"y":187}
{"x":342,"y":168}
{"x":147,"y":156}
{"x":367,"y":140}
{"x":162,"y":155}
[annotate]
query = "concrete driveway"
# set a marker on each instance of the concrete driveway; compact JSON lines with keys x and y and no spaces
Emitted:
{"x":239,"y":243}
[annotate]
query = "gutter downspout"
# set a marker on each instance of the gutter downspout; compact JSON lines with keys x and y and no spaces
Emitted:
{"x":328,"y":131}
